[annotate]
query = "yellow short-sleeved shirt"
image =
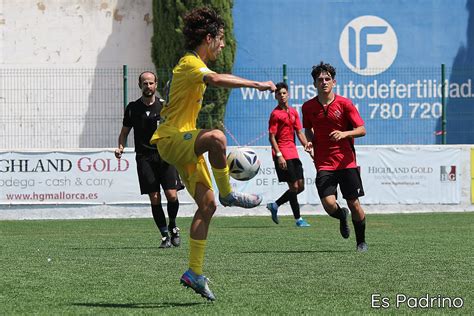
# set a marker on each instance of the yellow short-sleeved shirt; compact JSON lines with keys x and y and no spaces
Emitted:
{"x":176,"y":134}
{"x":185,"y":97}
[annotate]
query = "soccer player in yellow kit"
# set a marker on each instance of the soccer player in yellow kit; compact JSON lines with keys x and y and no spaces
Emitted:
{"x":182,"y":145}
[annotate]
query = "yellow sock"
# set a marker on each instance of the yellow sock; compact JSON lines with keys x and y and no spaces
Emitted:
{"x":196,"y":254}
{"x":222,"y":180}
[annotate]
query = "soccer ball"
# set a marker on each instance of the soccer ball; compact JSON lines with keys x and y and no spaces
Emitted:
{"x":243,"y":163}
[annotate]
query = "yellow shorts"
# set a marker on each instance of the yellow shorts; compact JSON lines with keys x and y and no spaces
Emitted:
{"x":178,"y":150}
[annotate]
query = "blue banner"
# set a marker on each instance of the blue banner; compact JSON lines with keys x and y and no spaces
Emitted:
{"x":387,"y":54}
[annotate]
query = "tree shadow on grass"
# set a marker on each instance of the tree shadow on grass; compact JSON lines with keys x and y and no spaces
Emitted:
{"x":138,"y":305}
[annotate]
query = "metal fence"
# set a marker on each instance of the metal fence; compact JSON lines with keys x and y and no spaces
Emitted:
{"x":83,"y":108}
{"x":63,"y":108}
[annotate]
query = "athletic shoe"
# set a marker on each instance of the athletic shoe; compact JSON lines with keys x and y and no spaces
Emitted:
{"x":273,"y":208}
{"x":165,"y":242}
{"x":175,"y":238}
{"x":362,"y":247}
{"x":344,"y":224}
{"x":239,"y":199}
{"x":199,"y":283}
{"x":302,"y":223}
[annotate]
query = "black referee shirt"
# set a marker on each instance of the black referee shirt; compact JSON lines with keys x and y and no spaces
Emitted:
{"x":144,"y":120}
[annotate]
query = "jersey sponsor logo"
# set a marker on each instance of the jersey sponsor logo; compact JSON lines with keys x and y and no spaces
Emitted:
{"x":187,"y":136}
{"x":204,"y":69}
{"x":368,"y":45}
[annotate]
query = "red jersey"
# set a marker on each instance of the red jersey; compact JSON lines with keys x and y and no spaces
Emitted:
{"x":283,"y":124}
{"x":340,"y":115}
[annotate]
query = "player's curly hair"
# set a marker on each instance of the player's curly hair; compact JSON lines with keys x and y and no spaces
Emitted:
{"x":322,"y":67}
{"x":198,"y":23}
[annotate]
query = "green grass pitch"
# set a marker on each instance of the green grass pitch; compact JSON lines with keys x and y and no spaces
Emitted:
{"x":256,"y":267}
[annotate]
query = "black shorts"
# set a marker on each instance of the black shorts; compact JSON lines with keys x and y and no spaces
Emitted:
{"x":293,"y":172}
{"x":349,"y":182}
{"x":153,"y":172}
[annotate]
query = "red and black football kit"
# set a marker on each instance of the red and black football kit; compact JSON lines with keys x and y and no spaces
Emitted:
{"x":335,"y":162}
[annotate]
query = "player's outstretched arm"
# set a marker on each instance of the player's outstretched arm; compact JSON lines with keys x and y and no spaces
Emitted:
{"x":231,"y":81}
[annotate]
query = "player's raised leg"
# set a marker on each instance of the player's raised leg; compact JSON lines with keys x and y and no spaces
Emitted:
{"x":214,"y":143}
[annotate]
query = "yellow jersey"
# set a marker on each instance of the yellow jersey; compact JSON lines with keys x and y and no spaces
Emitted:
{"x":185,"y":95}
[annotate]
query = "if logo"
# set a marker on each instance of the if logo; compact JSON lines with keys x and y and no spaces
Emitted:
{"x":448,"y":173}
{"x":368,"y":45}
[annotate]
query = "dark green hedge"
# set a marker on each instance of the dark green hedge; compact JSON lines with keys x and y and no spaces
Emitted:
{"x":168,"y":47}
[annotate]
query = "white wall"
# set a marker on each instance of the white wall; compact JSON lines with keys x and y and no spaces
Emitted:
{"x":86,"y":33}
{"x":61,"y":69}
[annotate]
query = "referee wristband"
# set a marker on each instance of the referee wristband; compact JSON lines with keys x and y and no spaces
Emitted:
{"x":278,"y":154}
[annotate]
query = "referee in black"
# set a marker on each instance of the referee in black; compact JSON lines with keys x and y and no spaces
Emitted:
{"x":143,"y":115}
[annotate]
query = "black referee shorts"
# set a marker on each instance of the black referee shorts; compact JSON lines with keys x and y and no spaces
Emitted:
{"x":293,"y":172}
{"x":349,"y":182}
{"x":154,"y":172}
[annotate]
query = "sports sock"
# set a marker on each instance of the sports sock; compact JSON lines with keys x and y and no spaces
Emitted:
{"x":222,"y":180}
{"x":159,"y":217}
{"x":295,"y":206}
{"x":359,"y":228}
{"x":196,"y":254}
{"x":285,"y":197}
{"x":338,"y":213}
{"x":172,"y":208}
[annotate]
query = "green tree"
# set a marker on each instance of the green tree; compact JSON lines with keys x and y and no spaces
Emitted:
{"x":168,"y":47}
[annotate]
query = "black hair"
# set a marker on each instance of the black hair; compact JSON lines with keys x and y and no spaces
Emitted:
{"x":322,"y":67}
{"x":198,"y":23}
{"x":281,"y":85}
